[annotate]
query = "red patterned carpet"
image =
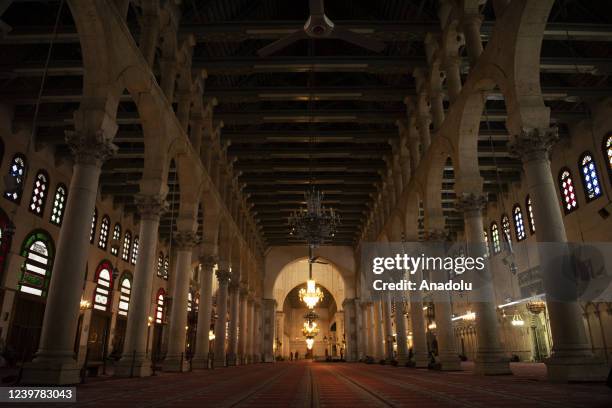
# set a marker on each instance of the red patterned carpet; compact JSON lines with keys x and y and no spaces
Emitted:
{"x":307,"y":384}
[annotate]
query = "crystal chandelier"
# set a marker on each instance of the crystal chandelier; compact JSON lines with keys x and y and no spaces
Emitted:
{"x":310,"y":329}
{"x":311,"y":295}
{"x":314,"y":224}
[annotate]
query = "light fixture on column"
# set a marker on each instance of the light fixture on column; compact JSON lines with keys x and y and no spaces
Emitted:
{"x":211,"y":335}
{"x":517,"y":320}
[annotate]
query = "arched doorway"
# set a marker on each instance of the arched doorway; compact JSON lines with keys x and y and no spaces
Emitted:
{"x":290,"y":311}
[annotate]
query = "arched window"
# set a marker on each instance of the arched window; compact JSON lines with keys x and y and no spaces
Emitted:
{"x":607,"y":147}
{"x":566,"y":186}
{"x":530,"y":216}
{"x":160,"y":265}
{"x":17,"y":174}
{"x":189,"y":301}
{"x":6,"y":235}
{"x":159,"y":307}
{"x":166,"y":267}
{"x":505,"y":222}
{"x":38,"y":251}
{"x":127,"y":245}
{"x":495,"y":238}
{"x":94,"y":221}
{"x":104,"y":286}
{"x":590,"y":176}
{"x":125,"y":290}
{"x":39,"y":193}
{"x":59,"y":204}
{"x":519,"y":223}
{"x":135,"y":250}
{"x":104,"y":228}
{"x":116,"y":239}
{"x":486,"y":241}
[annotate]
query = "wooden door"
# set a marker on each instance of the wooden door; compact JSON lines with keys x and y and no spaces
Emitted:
{"x":24,"y":333}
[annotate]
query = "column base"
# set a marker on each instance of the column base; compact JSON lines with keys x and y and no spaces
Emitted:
{"x":231,"y":359}
{"x":200,"y":363}
{"x":51,"y":373}
{"x":402,"y":360}
{"x":268,"y":359}
{"x":449,"y":362}
{"x":494,"y":363}
{"x":219,"y":362}
{"x":140,"y":367}
{"x":421,"y":360}
{"x":175,"y":364}
{"x":576,"y":369}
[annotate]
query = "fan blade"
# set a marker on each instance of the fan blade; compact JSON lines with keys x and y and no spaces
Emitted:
{"x":282,"y":43}
{"x":316,"y":7}
{"x":357,"y":39}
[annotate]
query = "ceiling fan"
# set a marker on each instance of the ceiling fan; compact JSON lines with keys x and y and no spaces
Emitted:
{"x":316,"y":260}
{"x":319,"y":26}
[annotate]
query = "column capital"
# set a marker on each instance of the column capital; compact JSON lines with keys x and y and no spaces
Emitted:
{"x":88,"y":150}
{"x":185,"y":240}
{"x":151,"y":206}
{"x":471,"y":202}
{"x":534,"y":143}
{"x":437,"y":235}
{"x":208,"y":262}
{"x":472,"y":20}
{"x":223,"y":276}
{"x":244,"y":291}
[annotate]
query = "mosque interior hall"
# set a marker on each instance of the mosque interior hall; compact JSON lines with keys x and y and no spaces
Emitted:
{"x":193,"y":194}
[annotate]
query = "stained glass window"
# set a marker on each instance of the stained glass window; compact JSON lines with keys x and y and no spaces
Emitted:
{"x":531,"y":218}
{"x":608,"y":153}
{"x":495,"y":238}
{"x":505,"y":222}
{"x":135,"y":250}
{"x":116,"y":239}
{"x":590,"y":177}
{"x":59,"y":204}
{"x":38,"y":251}
{"x":39,"y":193}
{"x":166,"y":267}
{"x":568,"y":192}
{"x":125,"y":291}
{"x":160,"y":264}
{"x":127,"y":245}
{"x":17,"y":173}
{"x":104,"y":286}
{"x":104,"y":228}
{"x":486,"y":241}
{"x":189,"y":302}
{"x":519,"y":223}
{"x":159,"y":307}
{"x":94,"y":221}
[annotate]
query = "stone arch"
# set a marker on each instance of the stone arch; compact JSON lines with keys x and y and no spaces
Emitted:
{"x":295,"y":273}
{"x":342,"y":257}
{"x":522,"y":50}
{"x":396,"y":226}
{"x":432,"y":200}
{"x":411,"y":214}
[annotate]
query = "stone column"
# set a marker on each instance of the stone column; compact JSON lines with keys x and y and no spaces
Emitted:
{"x":388,"y":330}
{"x":232,"y":340}
{"x":54,"y":362}
{"x":447,"y":350}
{"x":572,"y":358}
{"x":402,"y":340}
{"x":243,"y":330}
{"x":135,"y":360}
{"x":223,"y":275}
{"x":175,"y":357}
{"x":149,"y":36}
{"x":250,"y":352}
{"x":490,"y":358}
{"x":360,"y":328}
{"x":269,"y":309}
{"x":350,"y":329}
{"x":200,"y":359}
{"x":258,"y":343}
{"x":419,"y":338}
{"x":453,"y":77}
{"x":378,"y":330}
{"x":168,"y":67}
{"x":471,"y":28}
